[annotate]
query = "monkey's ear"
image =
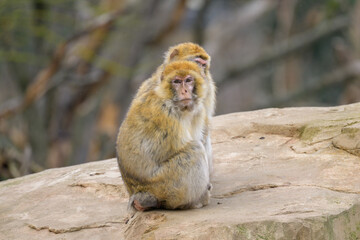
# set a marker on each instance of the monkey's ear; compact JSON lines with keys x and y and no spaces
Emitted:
{"x":174,"y":54}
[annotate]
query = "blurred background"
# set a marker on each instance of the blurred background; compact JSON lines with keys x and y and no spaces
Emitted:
{"x":69,"y":69}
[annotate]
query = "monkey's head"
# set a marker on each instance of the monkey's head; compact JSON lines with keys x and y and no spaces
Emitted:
{"x":182,"y":85}
{"x":189,"y":52}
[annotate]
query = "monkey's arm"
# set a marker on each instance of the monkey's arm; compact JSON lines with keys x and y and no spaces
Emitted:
{"x":147,"y":166}
{"x":206,"y":141}
{"x":182,"y":181}
{"x":208,"y":150}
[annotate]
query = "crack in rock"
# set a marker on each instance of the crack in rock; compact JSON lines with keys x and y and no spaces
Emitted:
{"x":286,"y":130}
{"x":355,"y":152}
{"x":327,"y":188}
{"x":71,"y":229}
{"x":96,"y":173}
{"x":349,"y":140}
{"x":305,"y":148}
{"x":292,"y":212}
{"x":249,"y":188}
{"x":269,"y":186}
{"x":106,"y":190}
{"x":142,"y":224}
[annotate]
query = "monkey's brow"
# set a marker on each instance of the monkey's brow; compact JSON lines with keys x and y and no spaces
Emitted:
{"x":202,"y":57}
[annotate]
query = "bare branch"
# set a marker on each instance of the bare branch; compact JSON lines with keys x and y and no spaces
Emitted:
{"x":174,"y":21}
{"x":199,"y":25}
{"x":343,"y":74}
{"x":40,"y":85}
{"x":289,"y":46}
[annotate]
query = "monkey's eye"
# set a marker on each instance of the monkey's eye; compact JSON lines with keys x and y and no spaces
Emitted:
{"x":188,"y":79}
{"x":177,"y":81}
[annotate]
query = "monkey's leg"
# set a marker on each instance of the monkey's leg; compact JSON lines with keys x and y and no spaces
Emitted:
{"x":205,"y":198}
{"x":143,"y":201}
{"x":187,"y":177}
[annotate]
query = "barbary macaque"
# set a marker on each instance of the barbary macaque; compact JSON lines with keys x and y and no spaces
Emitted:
{"x":160,"y":150}
{"x":190,"y":52}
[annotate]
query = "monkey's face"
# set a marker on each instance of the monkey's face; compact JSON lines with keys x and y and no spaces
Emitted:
{"x":183,"y":88}
{"x":182,"y":83}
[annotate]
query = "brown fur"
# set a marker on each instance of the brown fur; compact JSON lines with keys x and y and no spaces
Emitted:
{"x":160,"y":151}
{"x":189,"y":51}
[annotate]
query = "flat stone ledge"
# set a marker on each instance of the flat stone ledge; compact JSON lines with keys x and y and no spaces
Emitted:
{"x":290,"y":173}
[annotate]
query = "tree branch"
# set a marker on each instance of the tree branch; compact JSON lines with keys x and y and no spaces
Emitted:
{"x":40,"y":84}
{"x":288,"y":47}
{"x":173,"y":23}
{"x":343,"y":74}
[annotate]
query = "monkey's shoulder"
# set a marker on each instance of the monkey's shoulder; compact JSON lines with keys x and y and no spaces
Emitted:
{"x":146,"y":86}
{"x":151,"y":111}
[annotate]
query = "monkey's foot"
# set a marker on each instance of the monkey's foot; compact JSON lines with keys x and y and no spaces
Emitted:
{"x":198,"y":205}
{"x":138,"y":206}
{"x":143,"y":201}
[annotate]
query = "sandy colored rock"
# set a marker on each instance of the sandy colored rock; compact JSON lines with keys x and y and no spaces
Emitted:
{"x":278,"y":174}
{"x":349,"y":139}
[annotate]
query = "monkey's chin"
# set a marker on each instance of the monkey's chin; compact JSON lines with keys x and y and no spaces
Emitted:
{"x":186,"y":105}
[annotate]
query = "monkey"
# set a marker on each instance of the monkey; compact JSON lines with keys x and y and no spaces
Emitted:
{"x":190,"y":52}
{"x":160,"y":152}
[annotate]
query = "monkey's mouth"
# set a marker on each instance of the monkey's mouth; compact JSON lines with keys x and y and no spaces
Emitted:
{"x":185,"y":104}
{"x":186,"y":101}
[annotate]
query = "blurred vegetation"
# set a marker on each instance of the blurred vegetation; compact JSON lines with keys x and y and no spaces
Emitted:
{"x":69,"y":69}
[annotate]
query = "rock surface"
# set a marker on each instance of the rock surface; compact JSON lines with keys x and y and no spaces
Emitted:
{"x":278,"y":174}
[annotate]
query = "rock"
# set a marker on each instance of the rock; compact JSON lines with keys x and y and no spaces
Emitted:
{"x":349,"y":139}
{"x":278,"y":174}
